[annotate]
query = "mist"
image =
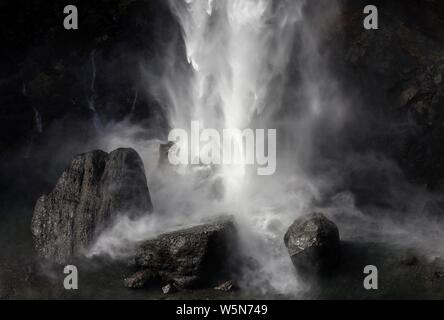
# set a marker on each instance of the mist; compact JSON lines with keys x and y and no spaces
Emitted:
{"x":246,"y":64}
{"x":240,"y":64}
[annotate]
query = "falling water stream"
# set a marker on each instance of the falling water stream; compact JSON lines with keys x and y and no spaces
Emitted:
{"x":240,"y":53}
{"x":92,"y":97}
{"x":38,"y":121}
{"x":240,"y":56}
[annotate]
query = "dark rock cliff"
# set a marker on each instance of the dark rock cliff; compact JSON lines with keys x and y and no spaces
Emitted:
{"x":399,"y":72}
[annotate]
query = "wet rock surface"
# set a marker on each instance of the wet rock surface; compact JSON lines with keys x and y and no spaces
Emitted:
{"x":191,"y":257}
{"x":47,"y":68}
{"x":95,"y":189}
{"x":228,"y":286}
{"x":169,"y":289}
{"x":399,"y":72}
{"x":50,"y":70}
{"x":139,"y":279}
{"x":313,"y":243}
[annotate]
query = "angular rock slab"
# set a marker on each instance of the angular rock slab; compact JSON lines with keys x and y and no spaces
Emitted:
{"x":192,"y":256}
{"x":313,"y":243}
{"x":95,"y":189}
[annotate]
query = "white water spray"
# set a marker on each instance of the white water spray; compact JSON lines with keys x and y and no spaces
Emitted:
{"x":242,"y":57}
{"x":133,"y":105}
{"x":240,"y":54}
{"x":238,"y":51}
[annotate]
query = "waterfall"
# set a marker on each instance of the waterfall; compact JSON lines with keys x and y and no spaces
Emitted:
{"x":91,"y":99}
{"x":93,"y":70}
{"x":37,"y":116}
{"x":38,"y":121}
{"x":133,"y":105}
{"x":247,"y":64}
{"x":240,"y":53}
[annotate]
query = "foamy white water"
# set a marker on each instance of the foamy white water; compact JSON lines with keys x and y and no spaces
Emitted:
{"x":241,"y":57}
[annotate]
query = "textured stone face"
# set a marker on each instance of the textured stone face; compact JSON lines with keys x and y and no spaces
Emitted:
{"x":187,"y":257}
{"x":90,"y":193}
{"x":313,"y":243}
{"x":403,"y":83}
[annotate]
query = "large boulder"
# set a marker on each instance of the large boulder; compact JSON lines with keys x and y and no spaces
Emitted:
{"x":313,"y":243}
{"x":189,"y":257}
{"x":95,"y":189}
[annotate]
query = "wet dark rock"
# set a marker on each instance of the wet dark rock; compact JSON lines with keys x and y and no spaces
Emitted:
{"x":432,"y":272}
{"x":51,"y":70}
{"x":228,"y":286}
{"x":169,"y":289}
{"x":191,"y":257}
{"x":138,"y":279}
{"x":313,"y":243}
{"x":186,"y":281}
{"x":95,"y":189}
{"x":401,"y":85}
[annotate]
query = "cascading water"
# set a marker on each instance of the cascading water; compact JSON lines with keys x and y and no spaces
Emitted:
{"x":249,"y":64}
{"x":133,"y":104}
{"x":240,"y":53}
{"x":236,"y":61}
{"x":92,"y":98}
{"x":38,"y":121}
